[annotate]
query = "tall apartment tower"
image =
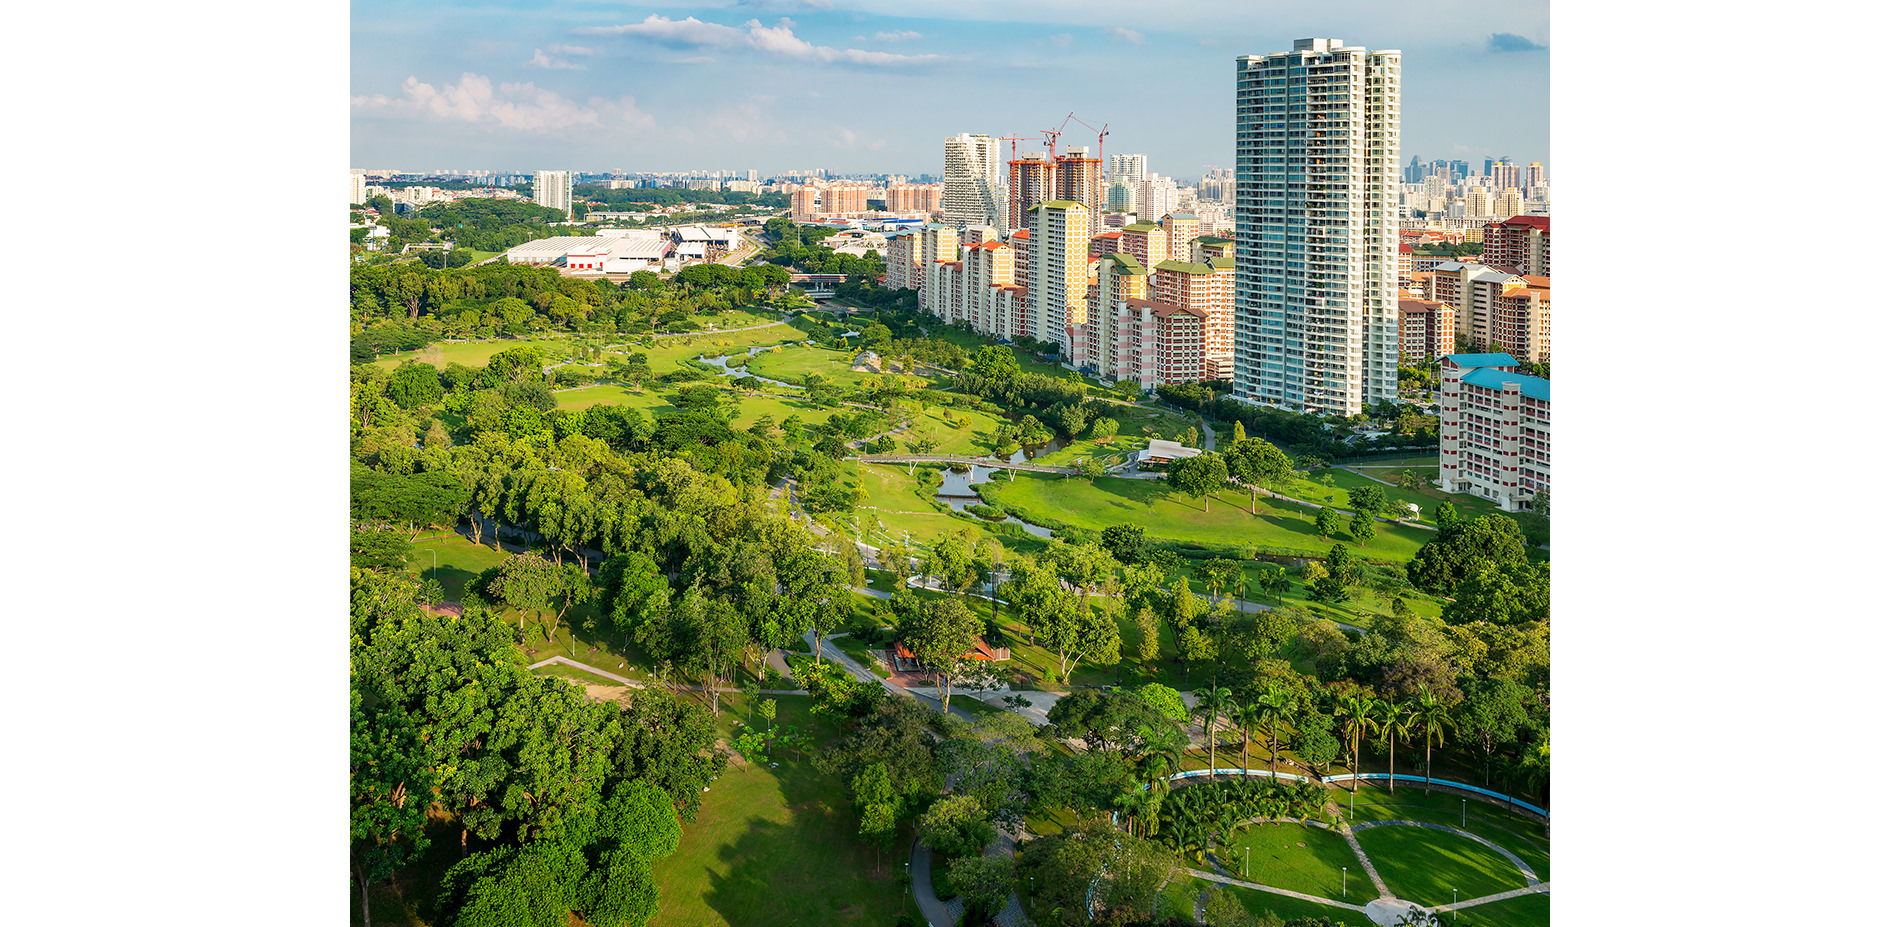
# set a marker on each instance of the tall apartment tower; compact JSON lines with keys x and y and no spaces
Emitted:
{"x":1079,"y":180}
{"x":1032,"y":180}
{"x":1316,"y":287}
{"x":973,"y":181}
{"x":555,"y":190}
{"x":1058,"y":277}
{"x":1127,"y":167}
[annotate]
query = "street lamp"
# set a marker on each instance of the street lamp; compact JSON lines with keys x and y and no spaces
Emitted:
{"x":1342,"y":883}
{"x":1461,"y":813}
{"x":1454,"y":903}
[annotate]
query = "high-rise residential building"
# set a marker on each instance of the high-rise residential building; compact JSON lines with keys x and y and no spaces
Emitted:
{"x":1534,"y":175}
{"x":913,"y":197}
{"x":1079,"y":180}
{"x":1520,"y":245}
{"x":1058,"y":278}
{"x":359,"y":188}
{"x":1504,"y":175}
{"x":973,"y":189}
{"x":1494,"y":429}
{"x":1426,"y":330}
{"x":555,"y":190}
{"x":1316,"y":223}
{"x":1127,"y":167}
{"x":1032,"y":180}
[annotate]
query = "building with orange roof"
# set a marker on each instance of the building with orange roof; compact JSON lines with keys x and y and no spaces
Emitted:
{"x":1520,"y":245}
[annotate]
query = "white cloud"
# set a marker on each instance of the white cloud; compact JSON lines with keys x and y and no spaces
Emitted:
{"x":521,"y":107}
{"x":904,"y":35}
{"x":571,"y":50}
{"x":542,"y":60}
{"x":777,"y":40}
{"x":1127,"y":35}
{"x":1061,"y":39}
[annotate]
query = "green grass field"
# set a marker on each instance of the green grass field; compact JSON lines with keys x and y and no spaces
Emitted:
{"x":1049,"y":500}
{"x":1259,"y":903}
{"x":794,"y":363}
{"x":1522,"y":911}
{"x":749,"y":857}
{"x":1279,"y":859}
{"x":1423,"y":865}
{"x":455,"y":561}
{"x":472,"y":353}
{"x":1508,"y":829}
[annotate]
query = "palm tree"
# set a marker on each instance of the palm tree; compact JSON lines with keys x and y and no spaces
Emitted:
{"x":1276,"y":708}
{"x":1358,"y":712}
{"x":1394,"y":722}
{"x":1433,"y":718}
{"x":1274,"y":579}
{"x":1210,"y":702}
{"x":1246,"y":715}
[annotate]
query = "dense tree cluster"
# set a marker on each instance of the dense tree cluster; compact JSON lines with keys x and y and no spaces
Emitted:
{"x":561,"y":804}
{"x":1319,"y":436}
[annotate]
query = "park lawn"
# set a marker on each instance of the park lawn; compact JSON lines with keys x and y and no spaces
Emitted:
{"x":941,"y":423}
{"x":646,"y":400}
{"x":1049,"y":500}
{"x":666,"y":350}
{"x":1422,"y":865}
{"x":896,"y":503}
{"x":1506,"y":828}
{"x":476,"y":257}
{"x":1361,"y":603}
{"x":1279,"y":860}
{"x":738,"y":318}
{"x":1427,"y":499}
{"x":793,"y":364}
{"x":750,"y":856}
{"x":1522,"y":911}
{"x":456,"y":561}
{"x":1259,"y":903}
{"x":472,"y":353}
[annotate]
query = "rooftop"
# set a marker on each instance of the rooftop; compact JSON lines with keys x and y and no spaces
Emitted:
{"x":1482,"y":360}
{"x":1183,"y":267}
{"x":1534,"y":387}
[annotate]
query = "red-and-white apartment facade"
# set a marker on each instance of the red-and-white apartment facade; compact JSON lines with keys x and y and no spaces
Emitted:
{"x":1494,"y":307}
{"x":1494,"y":429}
{"x":1519,"y":245}
{"x":1427,"y":330}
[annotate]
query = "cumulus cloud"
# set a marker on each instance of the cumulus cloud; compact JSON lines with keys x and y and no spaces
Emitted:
{"x":541,"y":59}
{"x":1127,"y":35}
{"x":778,"y":40}
{"x":1507,"y":42}
{"x":519,"y":107}
{"x":570,"y":49}
{"x":903,"y":35}
{"x":1061,"y":39}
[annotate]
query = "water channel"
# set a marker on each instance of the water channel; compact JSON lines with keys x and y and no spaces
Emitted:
{"x":957,"y":489}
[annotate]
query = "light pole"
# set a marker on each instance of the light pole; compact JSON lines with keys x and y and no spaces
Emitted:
{"x":1342,"y":883}
{"x":1454,"y":904}
{"x":1247,"y":867}
{"x":1461,"y":814}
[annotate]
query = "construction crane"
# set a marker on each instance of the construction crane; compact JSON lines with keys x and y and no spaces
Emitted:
{"x":1012,"y":140}
{"x":1049,"y":137}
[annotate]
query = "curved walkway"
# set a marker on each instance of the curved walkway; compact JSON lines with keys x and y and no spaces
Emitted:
{"x":989,"y":462}
{"x":1243,"y":883}
{"x":1530,"y":876}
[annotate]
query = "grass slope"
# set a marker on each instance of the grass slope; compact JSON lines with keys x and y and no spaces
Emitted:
{"x":777,"y":847}
{"x":1279,"y":860}
{"x":1422,"y":865}
{"x":1170,"y":516}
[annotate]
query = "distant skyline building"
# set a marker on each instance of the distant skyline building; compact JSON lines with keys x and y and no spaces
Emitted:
{"x":555,"y":190}
{"x":1316,"y":292}
{"x":973,"y":190}
{"x":359,"y":187}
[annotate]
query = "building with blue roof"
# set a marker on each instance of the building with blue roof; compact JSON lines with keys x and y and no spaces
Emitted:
{"x":1493,"y":430}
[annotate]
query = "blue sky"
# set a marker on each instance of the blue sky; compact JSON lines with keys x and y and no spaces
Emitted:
{"x":863,"y":86}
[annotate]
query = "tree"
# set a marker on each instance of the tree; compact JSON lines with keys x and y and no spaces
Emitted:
{"x":984,"y":882}
{"x":939,"y":633}
{"x":1211,"y":702}
{"x":1342,"y":572}
{"x":1089,"y":468}
{"x":1368,"y":499}
{"x":877,"y":803}
{"x":1166,"y":699}
{"x":1491,"y":715}
{"x":1275,"y":708}
{"x":390,"y":783}
{"x":1200,"y":476}
{"x":1361,"y":528}
{"x":670,"y":743}
{"x":1394,"y":720}
{"x":415,"y":384}
{"x":1254,"y":462}
{"x":956,"y":825}
{"x":1148,"y":648}
{"x":637,"y":597}
{"x":527,"y":581}
{"x":1221,"y":574}
{"x":1356,"y":713}
{"x":1126,"y":542}
{"x":1326,"y":522}
{"x":1433,"y":718}
{"x":1104,"y":430}
{"x":1274,"y":579}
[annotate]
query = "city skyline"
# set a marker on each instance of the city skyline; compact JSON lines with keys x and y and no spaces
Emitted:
{"x":775,"y":86}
